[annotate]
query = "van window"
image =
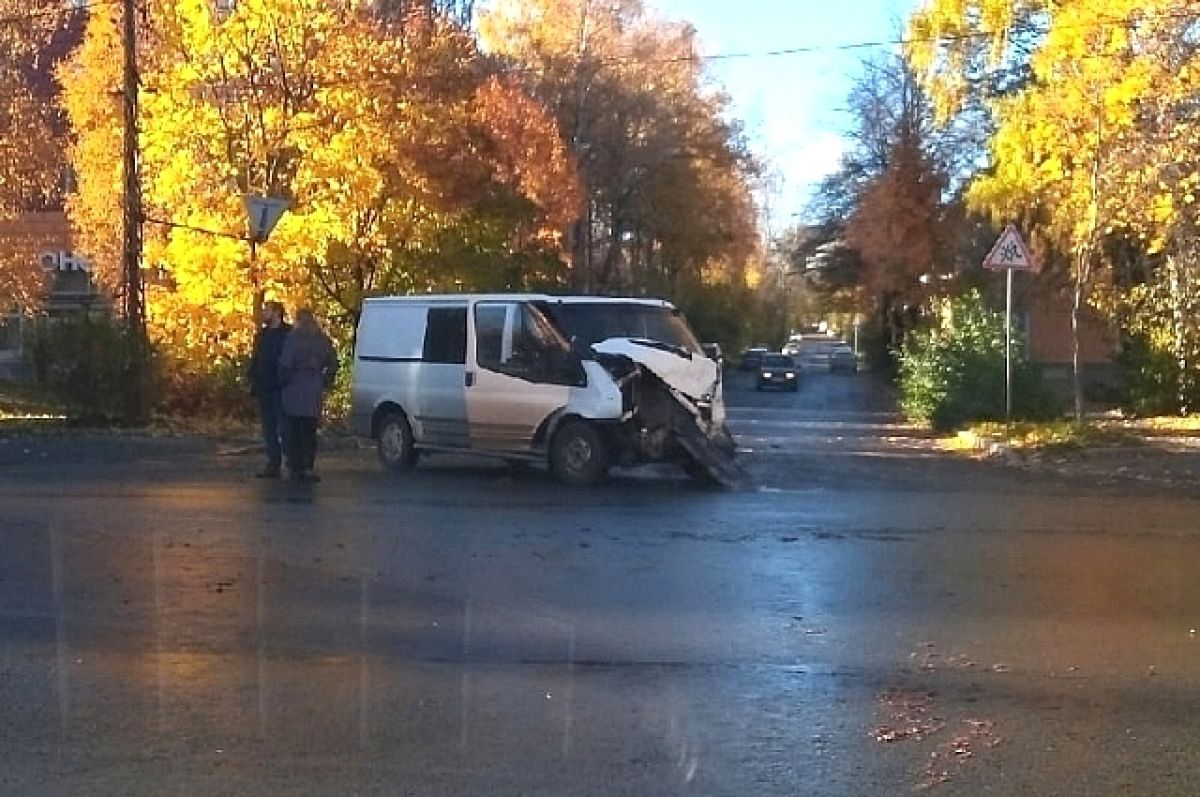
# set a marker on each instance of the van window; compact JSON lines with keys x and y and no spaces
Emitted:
{"x":516,"y":339}
{"x":446,"y":336}
{"x":489,"y":335}
{"x":534,"y":338}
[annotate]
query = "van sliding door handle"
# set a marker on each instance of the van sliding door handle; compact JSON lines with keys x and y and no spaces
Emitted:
{"x":469,"y":378}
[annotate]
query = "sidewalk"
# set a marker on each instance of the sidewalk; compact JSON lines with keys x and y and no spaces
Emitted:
{"x":1149,"y":458}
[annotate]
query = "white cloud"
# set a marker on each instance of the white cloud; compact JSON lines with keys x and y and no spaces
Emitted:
{"x":812,"y":159}
{"x":798,"y":166}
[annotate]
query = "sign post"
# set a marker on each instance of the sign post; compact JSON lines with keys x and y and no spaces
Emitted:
{"x":1009,"y":254}
{"x":262,"y":214}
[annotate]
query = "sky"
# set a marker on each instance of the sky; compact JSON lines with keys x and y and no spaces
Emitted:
{"x":792,"y":106}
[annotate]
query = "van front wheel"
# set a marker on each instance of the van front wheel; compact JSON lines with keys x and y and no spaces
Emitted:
{"x":395,"y":444}
{"x":578,"y":456}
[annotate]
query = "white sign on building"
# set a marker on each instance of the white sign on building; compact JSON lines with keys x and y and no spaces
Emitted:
{"x":63,"y":260}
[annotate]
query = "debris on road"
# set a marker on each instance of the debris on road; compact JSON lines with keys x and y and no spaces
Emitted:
{"x":908,"y":716}
{"x":974,"y":735}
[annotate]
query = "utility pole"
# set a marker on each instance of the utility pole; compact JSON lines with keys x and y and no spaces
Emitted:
{"x":131,"y":226}
{"x":579,"y":142}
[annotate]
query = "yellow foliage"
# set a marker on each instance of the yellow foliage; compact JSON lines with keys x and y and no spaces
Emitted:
{"x":318,"y":101}
{"x":1073,"y":148}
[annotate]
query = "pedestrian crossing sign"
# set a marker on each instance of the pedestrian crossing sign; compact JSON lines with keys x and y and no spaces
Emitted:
{"x":1010,"y":253}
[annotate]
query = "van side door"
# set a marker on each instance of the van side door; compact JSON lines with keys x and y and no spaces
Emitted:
{"x":441,"y":405}
{"x":522,"y":372}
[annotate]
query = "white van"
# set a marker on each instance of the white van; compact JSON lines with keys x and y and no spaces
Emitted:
{"x":582,"y":382}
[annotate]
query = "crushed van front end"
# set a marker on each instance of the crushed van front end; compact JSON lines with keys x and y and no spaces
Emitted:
{"x":673,"y":410}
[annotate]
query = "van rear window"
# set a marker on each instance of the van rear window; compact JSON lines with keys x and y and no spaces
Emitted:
{"x":446,"y":336}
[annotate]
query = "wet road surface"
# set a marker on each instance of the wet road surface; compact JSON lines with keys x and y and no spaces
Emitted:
{"x":874,"y":619}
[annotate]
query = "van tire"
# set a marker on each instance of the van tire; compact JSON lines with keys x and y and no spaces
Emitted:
{"x":395,"y":442}
{"x":578,"y":455}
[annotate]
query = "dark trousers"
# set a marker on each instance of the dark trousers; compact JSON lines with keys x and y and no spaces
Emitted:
{"x":301,"y":443}
{"x":274,"y":429}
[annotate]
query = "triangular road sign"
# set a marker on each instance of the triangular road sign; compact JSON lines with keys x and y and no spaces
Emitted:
{"x":1010,"y":252}
{"x":263,"y":213}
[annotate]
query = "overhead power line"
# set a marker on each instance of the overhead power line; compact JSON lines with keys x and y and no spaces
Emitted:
{"x":1103,"y":22}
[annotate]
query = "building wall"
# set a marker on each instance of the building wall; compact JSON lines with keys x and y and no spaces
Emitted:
{"x":47,"y":225}
{"x":23,"y":241}
{"x":1049,"y":331}
{"x":37,"y":248}
{"x":1048,"y":321}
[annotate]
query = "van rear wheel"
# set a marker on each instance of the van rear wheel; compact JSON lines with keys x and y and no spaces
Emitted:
{"x":578,"y":455}
{"x":395,"y":443}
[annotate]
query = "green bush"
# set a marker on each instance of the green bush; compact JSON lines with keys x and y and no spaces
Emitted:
{"x":952,"y":373}
{"x":1154,"y":382}
{"x":84,"y":361}
{"x":879,"y":356}
{"x":216,"y":390}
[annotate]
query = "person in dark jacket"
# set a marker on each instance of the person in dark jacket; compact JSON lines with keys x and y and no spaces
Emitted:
{"x":306,"y":370}
{"x":263,"y":374}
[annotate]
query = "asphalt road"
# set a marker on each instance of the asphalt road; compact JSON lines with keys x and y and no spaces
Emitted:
{"x":872,"y":619}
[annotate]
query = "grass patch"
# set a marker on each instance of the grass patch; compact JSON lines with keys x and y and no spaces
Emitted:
{"x":1165,"y":425}
{"x":1046,"y":436}
{"x":26,"y":407}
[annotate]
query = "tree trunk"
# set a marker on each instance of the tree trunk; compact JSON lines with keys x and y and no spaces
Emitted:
{"x":1077,"y":376}
{"x":1179,"y":334}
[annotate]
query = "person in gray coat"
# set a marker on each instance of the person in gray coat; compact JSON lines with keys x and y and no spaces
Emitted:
{"x":307,"y":366}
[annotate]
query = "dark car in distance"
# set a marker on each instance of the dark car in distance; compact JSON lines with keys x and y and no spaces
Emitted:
{"x":752,"y":357}
{"x":843,"y":359}
{"x":778,"y":370}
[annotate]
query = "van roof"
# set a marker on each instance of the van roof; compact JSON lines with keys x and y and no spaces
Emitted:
{"x":440,"y":298}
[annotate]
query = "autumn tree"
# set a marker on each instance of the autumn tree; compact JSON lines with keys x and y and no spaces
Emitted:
{"x":883,"y":214}
{"x":667,"y":178}
{"x":375,"y":121}
{"x":32,"y":36}
{"x":1091,"y":149}
{"x":30,"y":149}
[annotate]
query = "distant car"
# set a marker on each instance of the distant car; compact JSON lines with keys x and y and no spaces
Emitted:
{"x":752,"y":357}
{"x":778,"y":370}
{"x":713,"y":352}
{"x":791,"y":348}
{"x":843,"y":359}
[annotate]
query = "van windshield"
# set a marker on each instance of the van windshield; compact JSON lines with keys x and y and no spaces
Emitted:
{"x":591,"y":323}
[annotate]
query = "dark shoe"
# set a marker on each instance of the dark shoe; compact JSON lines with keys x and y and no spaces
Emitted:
{"x":311,"y":477}
{"x":267,"y":473}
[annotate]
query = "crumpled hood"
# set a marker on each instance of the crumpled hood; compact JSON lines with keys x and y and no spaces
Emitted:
{"x":695,"y":377}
